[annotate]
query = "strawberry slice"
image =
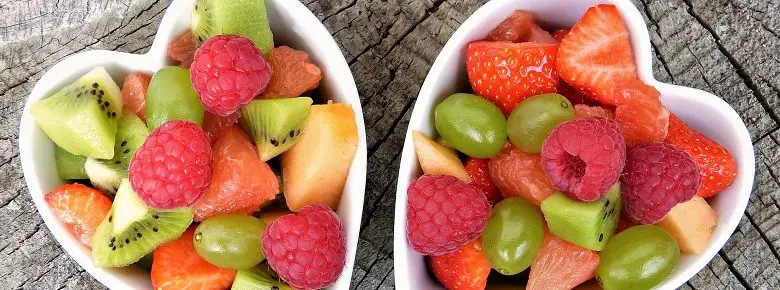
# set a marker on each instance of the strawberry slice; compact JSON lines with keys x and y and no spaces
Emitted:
{"x":507,"y":73}
{"x":182,"y":49}
{"x":80,"y":208}
{"x":639,"y":112}
{"x":465,"y":269}
{"x":717,"y":166}
{"x":560,"y":34}
{"x":480,"y":178}
{"x":597,"y":53}
{"x":134,"y":93}
{"x":177,"y":266}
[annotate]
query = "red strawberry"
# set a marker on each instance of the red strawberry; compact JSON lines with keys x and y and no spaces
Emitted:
{"x":177,"y":266}
{"x":717,"y":166}
{"x":639,"y":112}
{"x":466,"y":268}
{"x":480,"y":178}
{"x":560,"y":34}
{"x":508,"y":73}
{"x":597,"y":53}
{"x":182,"y":49}
{"x":80,"y":208}
{"x":514,"y":28}
{"x":624,"y":223}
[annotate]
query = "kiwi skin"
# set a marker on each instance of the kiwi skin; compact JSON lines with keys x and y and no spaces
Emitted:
{"x":275,"y":124}
{"x":260,"y":277}
{"x":247,"y":18}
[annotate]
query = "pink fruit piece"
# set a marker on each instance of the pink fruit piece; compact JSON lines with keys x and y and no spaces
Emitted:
{"x":517,"y":173}
{"x":293,"y":74}
{"x":584,"y":157}
{"x":443,"y":214}
{"x":228,"y":72}
{"x":657,"y":177}
{"x":560,"y":34}
{"x":514,"y":28}
{"x":585,"y":111}
{"x":173,"y":167}
{"x":308,"y":249}
{"x":540,"y":35}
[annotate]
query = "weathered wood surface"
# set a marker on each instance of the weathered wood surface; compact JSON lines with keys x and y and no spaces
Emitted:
{"x":728,"y":47}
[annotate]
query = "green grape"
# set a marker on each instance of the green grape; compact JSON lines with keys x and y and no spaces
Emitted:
{"x":638,"y":258}
{"x":170,"y":96}
{"x":230,"y":241}
{"x":471,"y":125}
{"x":533,"y":119}
{"x":513,"y":235}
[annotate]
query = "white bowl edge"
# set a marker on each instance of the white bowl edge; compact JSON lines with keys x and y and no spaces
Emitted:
{"x":447,"y":75}
{"x":293,"y":24}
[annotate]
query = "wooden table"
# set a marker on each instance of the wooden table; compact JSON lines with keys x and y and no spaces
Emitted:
{"x":728,"y":47}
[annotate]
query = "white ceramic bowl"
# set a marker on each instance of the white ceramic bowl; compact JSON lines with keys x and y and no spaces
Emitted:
{"x":292,"y":23}
{"x":703,"y":111}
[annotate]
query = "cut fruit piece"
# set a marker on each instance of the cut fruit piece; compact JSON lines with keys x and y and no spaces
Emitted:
{"x":134,"y":93}
{"x":586,"y":224}
{"x":292,"y":74}
{"x":182,"y":49}
{"x":436,"y":159}
{"x":215,"y":126}
{"x":640,"y":113}
{"x":178,"y":266}
{"x":585,"y":111}
{"x":464,"y":269}
{"x":561,"y":265}
{"x":240,"y":181}
{"x":69,"y":166}
{"x":133,"y":229}
{"x":539,"y":35}
{"x":80,"y":208}
{"x":560,"y":34}
{"x":517,"y":173}
{"x":315,"y":170}
{"x":106,"y":175}
{"x":172,"y":97}
{"x":276,"y":125}
{"x":479,"y":171}
{"x":691,"y":223}
{"x":270,"y":215}
{"x":514,"y":28}
{"x":257,"y":278}
{"x":247,"y":18}
{"x":81,"y":117}
{"x":591,"y":284}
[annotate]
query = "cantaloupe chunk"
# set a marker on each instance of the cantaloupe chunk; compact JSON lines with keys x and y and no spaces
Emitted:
{"x":691,"y":223}
{"x":315,"y":169}
{"x":437,"y":159}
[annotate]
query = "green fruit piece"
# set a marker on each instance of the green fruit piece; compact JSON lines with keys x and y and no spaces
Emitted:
{"x":258,"y":278}
{"x":106,"y":175}
{"x":534,"y":118}
{"x":275,"y":124}
{"x":69,"y":166}
{"x":81,"y":117}
{"x":471,"y":125}
{"x":230,"y":241}
{"x":247,"y":18}
{"x":132,"y":229}
{"x":586,"y":224}
{"x":638,"y":258}
{"x":513,"y":235}
{"x":170,"y":96}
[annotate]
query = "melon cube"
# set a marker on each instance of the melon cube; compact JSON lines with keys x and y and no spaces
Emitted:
{"x":691,"y":223}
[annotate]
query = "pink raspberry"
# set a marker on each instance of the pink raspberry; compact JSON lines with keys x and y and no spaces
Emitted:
{"x":173,"y":166}
{"x":657,"y":177}
{"x":443,"y":214}
{"x":228,"y":72}
{"x":584,"y":157}
{"x":307,"y":250}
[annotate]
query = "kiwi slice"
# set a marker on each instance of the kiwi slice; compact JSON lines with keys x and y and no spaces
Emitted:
{"x":275,"y":124}
{"x":586,"y":224}
{"x":69,"y":166}
{"x":258,"y":278}
{"x":247,"y":18}
{"x":107,"y":174}
{"x":82,"y":117}
{"x":132,"y":229}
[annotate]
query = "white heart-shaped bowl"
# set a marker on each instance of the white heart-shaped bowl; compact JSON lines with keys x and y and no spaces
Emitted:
{"x":292,"y":24}
{"x":703,"y":111}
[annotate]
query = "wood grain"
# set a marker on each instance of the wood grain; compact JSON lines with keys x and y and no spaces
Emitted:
{"x":728,"y":47}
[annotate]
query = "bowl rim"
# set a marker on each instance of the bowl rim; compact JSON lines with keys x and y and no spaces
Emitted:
{"x":156,"y":58}
{"x":404,"y":256}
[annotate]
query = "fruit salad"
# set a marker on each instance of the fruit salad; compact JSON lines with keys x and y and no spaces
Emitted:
{"x":561,"y":169}
{"x":215,"y":172}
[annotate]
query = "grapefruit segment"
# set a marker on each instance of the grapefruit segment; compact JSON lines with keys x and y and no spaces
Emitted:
{"x":561,"y":265}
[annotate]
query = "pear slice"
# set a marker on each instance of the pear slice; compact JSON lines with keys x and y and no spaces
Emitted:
{"x":437,"y":159}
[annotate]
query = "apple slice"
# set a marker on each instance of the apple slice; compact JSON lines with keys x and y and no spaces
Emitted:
{"x":315,"y":169}
{"x":438,"y":159}
{"x":691,"y":223}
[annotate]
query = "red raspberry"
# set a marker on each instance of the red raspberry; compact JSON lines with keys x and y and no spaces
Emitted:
{"x":307,"y":250}
{"x":173,"y":166}
{"x":658,"y":176}
{"x":228,"y":72}
{"x":584,"y":157}
{"x":443,"y":214}
{"x":480,"y":178}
